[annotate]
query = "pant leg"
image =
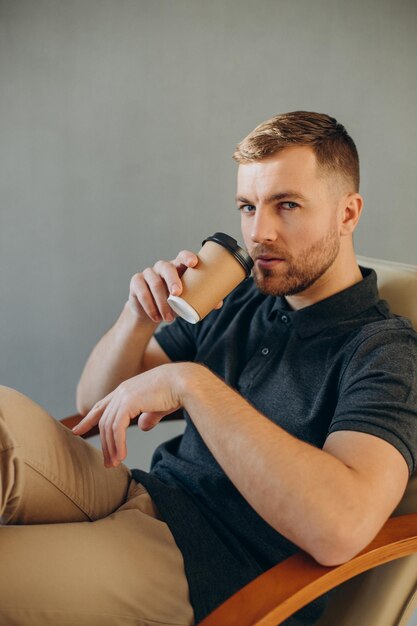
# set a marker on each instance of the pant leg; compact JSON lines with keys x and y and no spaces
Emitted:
{"x":47,"y":474}
{"x":124,"y":570}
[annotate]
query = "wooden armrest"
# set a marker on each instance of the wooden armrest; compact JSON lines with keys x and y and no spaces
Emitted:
{"x":287,"y":587}
{"x":73,"y":420}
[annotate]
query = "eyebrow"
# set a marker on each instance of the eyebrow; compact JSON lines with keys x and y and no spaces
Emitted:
{"x":276,"y":196}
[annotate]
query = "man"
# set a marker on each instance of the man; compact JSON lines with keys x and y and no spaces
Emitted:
{"x":298,"y":393}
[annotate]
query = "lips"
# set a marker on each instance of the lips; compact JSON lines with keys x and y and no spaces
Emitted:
{"x":264,"y":257}
{"x":268,"y":261}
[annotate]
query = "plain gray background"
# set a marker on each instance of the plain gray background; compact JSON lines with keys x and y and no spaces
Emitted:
{"x":118,"y":119}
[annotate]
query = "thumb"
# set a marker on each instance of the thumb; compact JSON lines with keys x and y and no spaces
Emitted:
{"x":150,"y":419}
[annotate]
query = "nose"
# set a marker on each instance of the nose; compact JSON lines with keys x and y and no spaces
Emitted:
{"x":262,"y":227}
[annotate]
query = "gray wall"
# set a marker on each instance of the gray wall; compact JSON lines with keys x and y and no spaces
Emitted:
{"x":118,"y":119}
{"x":117,"y":122}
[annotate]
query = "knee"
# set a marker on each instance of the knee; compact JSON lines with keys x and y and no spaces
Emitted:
{"x":9,"y":407}
{"x":16,"y":408}
{"x":8,"y":393}
{"x":7,"y":397}
{"x":10,"y":398}
{"x":10,"y":465}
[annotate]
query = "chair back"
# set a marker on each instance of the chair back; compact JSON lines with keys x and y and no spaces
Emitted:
{"x":386,"y":595}
{"x":397,"y":284}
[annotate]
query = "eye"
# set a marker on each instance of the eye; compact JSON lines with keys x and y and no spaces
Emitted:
{"x":288,"y":206}
{"x":246,"y":208}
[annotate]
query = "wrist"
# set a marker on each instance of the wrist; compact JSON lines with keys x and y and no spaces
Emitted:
{"x":189,"y":381}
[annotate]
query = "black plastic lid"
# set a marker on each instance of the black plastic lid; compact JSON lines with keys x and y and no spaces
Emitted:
{"x":232,"y":245}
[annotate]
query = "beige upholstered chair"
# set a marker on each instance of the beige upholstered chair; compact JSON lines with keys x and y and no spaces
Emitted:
{"x":387,"y":595}
{"x":381,"y":587}
{"x":397,"y":284}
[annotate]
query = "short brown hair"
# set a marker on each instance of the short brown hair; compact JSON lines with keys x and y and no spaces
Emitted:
{"x":335,"y":150}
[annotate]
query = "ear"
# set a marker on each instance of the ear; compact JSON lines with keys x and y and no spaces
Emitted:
{"x":350,"y":212}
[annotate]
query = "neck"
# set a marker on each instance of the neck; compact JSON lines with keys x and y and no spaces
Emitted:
{"x":343,"y":273}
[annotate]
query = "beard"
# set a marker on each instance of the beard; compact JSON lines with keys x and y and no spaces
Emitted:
{"x":296,"y":274}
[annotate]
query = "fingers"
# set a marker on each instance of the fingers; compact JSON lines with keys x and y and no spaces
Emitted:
{"x":105,"y":448}
{"x":185,"y":259}
{"x":140,"y":293}
{"x":139,"y":395}
{"x":112,"y":423}
{"x":168,"y":273}
{"x":106,"y":438}
{"x":119,"y":434}
{"x":91,"y":419}
{"x":149,"y":290}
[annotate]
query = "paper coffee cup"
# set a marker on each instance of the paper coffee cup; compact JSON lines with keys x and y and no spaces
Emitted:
{"x":222,"y":265}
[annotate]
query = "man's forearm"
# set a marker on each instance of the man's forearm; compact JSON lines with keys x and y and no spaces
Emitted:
{"x":331,"y":502}
{"x":301,"y":491}
{"x":117,"y":356}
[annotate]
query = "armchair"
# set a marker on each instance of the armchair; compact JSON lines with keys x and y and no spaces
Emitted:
{"x":378,"y":587}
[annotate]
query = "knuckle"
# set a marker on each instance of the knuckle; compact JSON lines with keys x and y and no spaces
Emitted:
{"x":141,"y":291}
{"x":159,"y":265}
{"x":148,"y":273}
{"x":136,"y":279}
{"x":189,"y":254}
{"x":137,"y":289}
{"x":186,"y":258}
{"x":153,"y":279}
{"x":181,"y":256}
{"x":122,"y":389}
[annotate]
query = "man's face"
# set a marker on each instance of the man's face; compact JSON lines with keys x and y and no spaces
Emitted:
{"x":289,"y":220}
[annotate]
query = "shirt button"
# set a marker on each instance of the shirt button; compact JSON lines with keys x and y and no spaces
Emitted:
{"x":284,"y":318}
{"x":265,"y":351}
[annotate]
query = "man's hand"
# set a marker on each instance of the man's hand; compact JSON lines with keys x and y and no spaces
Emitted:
{"x":152,"y":394}
{"x":149,"y":290}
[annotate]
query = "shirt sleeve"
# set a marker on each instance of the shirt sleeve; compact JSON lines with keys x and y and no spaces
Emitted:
{"x":378,"y":390}
{"x":178,"y":340}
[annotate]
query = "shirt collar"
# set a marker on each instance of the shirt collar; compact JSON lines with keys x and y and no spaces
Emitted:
{"x":339,"y":307}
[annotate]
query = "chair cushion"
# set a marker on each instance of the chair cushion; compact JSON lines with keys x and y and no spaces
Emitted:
{"x":397,"y":284}
{"x":386,"y":595}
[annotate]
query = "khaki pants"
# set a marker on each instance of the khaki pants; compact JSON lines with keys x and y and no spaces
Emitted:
{"x":80,"y":544}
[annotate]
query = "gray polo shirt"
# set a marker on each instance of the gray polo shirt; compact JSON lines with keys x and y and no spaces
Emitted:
{"x":345,"y":363}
